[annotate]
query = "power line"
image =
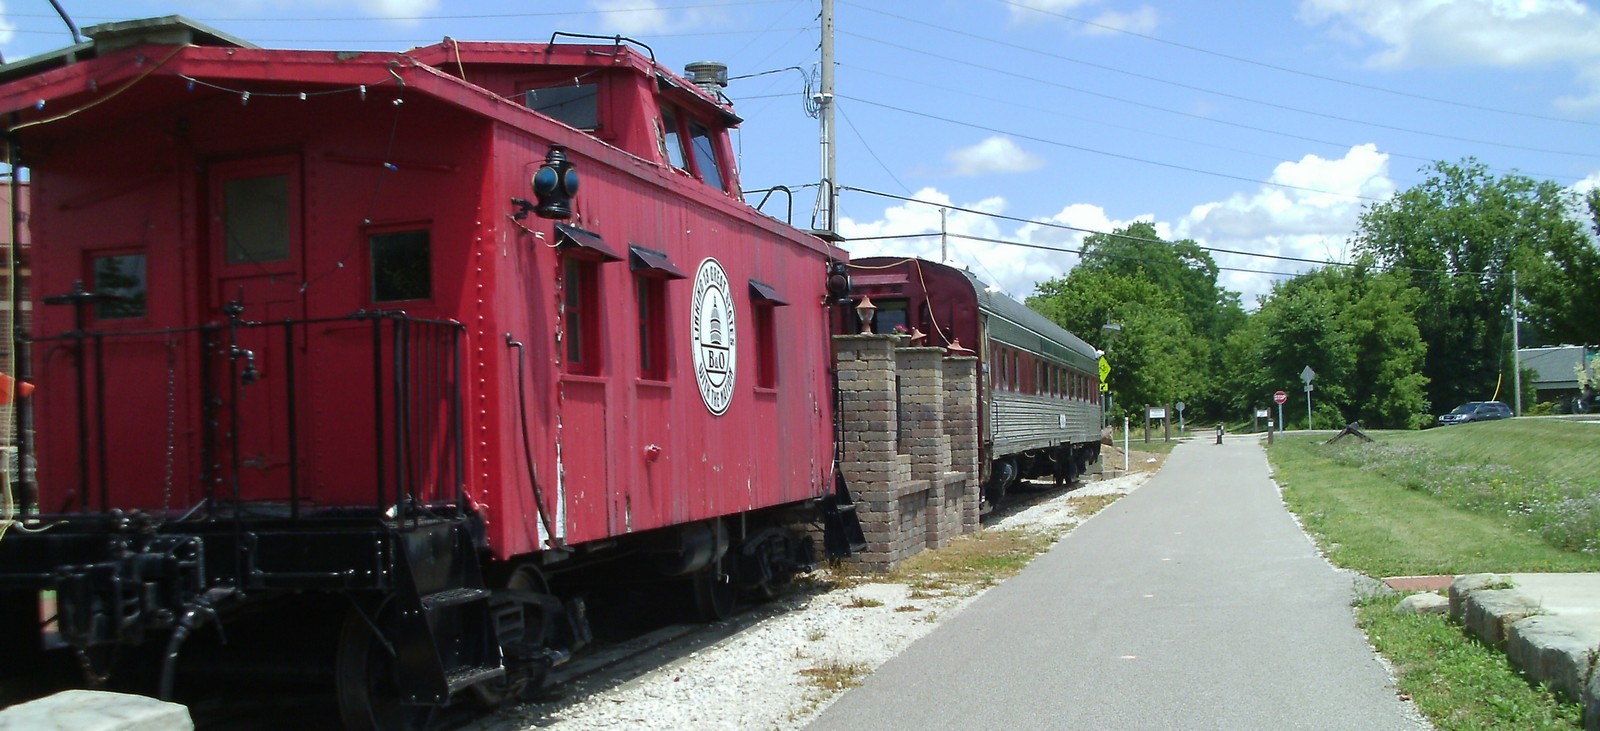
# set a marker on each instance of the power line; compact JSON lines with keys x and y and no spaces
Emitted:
{"x":1129,"y":237}
{"x":1118,"y":155}
{"x":1298,"y":72}
{"x":1079,"y":229}
{"x":1287,"y":108}
{"x":870,"y":151}
{"x":1176,"y":138}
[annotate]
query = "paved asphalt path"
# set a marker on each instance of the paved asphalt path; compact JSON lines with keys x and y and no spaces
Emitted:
{"x":1194,"y":602}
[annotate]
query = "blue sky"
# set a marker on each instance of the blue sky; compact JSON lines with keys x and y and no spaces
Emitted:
{"x":1248,"y":126}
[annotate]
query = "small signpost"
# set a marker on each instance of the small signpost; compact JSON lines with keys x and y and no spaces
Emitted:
{"x":1279,"y":398}
{"x":1179,"y":407}
{"x":1306,"y":375}
{"x":1160,"y":413}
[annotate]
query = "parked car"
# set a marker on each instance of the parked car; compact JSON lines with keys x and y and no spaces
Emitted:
{"x":1476,"y":411}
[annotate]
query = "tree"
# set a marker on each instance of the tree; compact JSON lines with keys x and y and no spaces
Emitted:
{"x":1455,"y":238}
{"x":1354,"y":328}
{"x":1165,"y":296}
{"x":1560,"y":285}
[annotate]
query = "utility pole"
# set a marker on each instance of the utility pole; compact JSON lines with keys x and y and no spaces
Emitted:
{"x":1516,"y":351}
{"x":944,"y":236}
{"x":828,"y":196}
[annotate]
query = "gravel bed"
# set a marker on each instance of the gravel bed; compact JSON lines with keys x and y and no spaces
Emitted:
{"x":791,"y":661}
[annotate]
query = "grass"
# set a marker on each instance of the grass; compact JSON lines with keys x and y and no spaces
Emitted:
{"x":1397,"y":508}
{"x":975,"y":560}
{"x":1496,"y":497}
{"x":1458,"y":682}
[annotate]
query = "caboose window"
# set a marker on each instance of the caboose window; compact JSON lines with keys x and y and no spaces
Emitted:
{"x":672,"y":141}
{"x":581,"y":302}
{"x":705,"y":155}
{"x":123,"y":277}
{"x":574,"y":105}
{"x":256,"y":219}
{"x":401,"y":266}
{"x":652,"y":300}
{"x":766,"y":345}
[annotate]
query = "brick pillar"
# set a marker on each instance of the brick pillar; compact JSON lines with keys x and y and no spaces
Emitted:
{"x":922,"y":409}
{"x":961,"y":425}
{"x":866,"y":366}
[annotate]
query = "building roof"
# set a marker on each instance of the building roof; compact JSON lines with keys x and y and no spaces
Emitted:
{"x":1556,"y":366}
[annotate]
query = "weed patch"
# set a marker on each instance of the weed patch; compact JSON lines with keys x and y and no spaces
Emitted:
{"x":861,"y":602}
{"x":1457,"y":681}
{"x":835,"y":676}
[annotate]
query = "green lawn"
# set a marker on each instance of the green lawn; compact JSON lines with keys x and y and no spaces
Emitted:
{"x":1515,"y":496}
{"x":1499,"y":496}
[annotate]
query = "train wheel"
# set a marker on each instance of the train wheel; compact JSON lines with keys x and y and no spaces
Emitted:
{"x":516,"y":685}
{"x":714,"y":595}
{"x":368,"y":690}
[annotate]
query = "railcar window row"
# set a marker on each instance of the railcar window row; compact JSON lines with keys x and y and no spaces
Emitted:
{"x":1011,"y":369}
{"x":582,"y":304}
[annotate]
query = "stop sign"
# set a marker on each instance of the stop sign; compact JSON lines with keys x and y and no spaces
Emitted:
{"x":1280,"y":397}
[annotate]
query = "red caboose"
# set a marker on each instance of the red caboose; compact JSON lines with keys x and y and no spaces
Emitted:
{"x":414,"y":332}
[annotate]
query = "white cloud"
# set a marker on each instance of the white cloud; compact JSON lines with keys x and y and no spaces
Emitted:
{"x":1270,"y":220}
{"x":997,"y":154}
{"x":645,"y":17}
{"x":1024,"y":9}
{"x":1287,"y":222}
{"x":1496,"y":33}
{"x":8,"y":29}
{"x":398,"y":9}
{"x":1142,"y":20}
{"x":993,"y":263}
{"x":1582,"y":187}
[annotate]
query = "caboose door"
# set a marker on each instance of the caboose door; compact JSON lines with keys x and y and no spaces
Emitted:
{"x":257,"y":262}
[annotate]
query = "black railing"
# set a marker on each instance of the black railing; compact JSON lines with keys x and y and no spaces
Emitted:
{"x":416,"y":381}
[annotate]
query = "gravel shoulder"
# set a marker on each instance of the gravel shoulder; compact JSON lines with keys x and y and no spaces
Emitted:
{"x":778,"y":666}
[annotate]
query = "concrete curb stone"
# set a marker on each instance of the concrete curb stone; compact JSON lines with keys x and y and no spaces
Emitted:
{"x":1465,"y":585}
{"x":95,"y":710}
{"x":1491,"y":612}
{"x":1555,"y":650}
{"x":1559,"y":650}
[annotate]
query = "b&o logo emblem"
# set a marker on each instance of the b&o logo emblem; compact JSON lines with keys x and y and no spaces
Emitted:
{"x":714,"y":337}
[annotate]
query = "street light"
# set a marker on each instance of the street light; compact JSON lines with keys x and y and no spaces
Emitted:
{"x":1111,"y":330}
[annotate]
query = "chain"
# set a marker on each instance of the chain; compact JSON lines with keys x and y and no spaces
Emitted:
{"x":172,"y":421}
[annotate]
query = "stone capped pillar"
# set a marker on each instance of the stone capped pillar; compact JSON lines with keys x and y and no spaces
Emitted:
{"x":960,"y":387}
{"x":921,"y":373}
{"x":869,"y":459}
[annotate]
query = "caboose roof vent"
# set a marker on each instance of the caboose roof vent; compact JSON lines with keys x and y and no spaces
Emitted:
{"x":712,"y":76}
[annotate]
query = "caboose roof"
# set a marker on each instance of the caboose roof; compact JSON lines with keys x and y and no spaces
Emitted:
{"x":108,"y":37}
{"x":127,"y":52}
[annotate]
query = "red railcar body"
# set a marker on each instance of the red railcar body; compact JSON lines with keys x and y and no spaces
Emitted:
{"x":416,"y":331}
{"x":146,"y":174}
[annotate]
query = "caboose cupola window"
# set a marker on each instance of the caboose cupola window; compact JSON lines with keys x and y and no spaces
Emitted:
{"x":576,"y":105}
{"x":705,"y":155}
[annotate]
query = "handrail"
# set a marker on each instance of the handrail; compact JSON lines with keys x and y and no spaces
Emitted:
{"x":417,"y":434}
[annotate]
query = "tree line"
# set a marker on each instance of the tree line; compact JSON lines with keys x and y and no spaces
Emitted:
{"x":1418,"y":323}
